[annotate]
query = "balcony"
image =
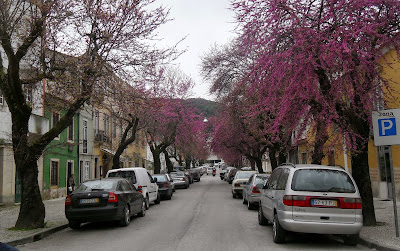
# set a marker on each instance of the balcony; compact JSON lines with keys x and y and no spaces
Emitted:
{"x":101,"y":136}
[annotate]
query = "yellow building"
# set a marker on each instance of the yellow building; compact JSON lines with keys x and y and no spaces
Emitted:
{"x":380,"y":158}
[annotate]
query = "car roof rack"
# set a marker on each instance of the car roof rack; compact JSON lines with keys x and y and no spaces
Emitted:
{"x":288,"y":164}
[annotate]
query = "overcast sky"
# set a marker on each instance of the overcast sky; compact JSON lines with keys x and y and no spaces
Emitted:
{"x":204,"y":22}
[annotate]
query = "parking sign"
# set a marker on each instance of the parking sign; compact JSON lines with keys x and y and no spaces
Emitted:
{"x":386,"y":125}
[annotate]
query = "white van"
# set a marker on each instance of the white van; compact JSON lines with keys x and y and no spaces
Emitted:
{"x":142,"y":181}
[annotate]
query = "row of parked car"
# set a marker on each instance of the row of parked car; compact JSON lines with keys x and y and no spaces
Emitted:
{"x":301,"y":198}
{"x":123,"y":193}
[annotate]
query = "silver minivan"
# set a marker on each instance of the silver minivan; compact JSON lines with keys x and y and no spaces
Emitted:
{"x":311,"y":199}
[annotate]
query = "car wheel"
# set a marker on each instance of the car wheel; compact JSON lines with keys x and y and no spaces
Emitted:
{"x":74,"y":224}
{"x":186,"y":186}
{"x":261,"y":218}
{"x":278,"y":232}
{"x":351,"y":239}
{"x":250,"y":206}
{"x":158,"y":200}
{"x":147,"y":202}
{"x":126,"y":219}
{"x":169,"y":196}
{"x":244,"y":200}
{"x":234,"y":196}
{"x":142,"y":212}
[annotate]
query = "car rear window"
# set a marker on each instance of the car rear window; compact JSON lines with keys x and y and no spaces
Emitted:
{"x":160,"y":178}
{"x":244,"y":175}
{"x":100,"y":185}
{"x":129,"y":175}
{"x":261,"y":179}
{"x":322,"y":180}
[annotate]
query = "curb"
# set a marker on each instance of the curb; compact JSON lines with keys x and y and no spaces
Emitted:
{"x":37,"y":236}
{"x":374,"y":245}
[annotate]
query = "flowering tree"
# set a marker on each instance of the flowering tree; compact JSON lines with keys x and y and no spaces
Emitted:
{"x":99,"y":37}
{"x":321,"y":57}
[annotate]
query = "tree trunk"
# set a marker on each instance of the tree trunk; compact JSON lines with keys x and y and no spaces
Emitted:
{"x":259,"y":165}
{"x":157,"y":161}
{"x":272,"y":158}
{"x":170,"y":166}
{"x":360,"y":172}
{"x":321,"y":136}
{"x":188,"y":160}
{"x":281,"y":157}
{"x":32,"y":211}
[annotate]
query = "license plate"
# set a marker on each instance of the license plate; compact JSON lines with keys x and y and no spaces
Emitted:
{"x":324,"y":203}
{"x":89,"y":201}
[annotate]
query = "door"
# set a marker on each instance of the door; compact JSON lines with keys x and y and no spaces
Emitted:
{"x":270,"y":194}
{"x":152,"y":187}
{"x":385,"y":163}
{"x":70,"y":171}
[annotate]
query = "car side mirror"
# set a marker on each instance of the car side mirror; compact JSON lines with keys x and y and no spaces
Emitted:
{"x":154,"y":180}
{"x":265,"y":186}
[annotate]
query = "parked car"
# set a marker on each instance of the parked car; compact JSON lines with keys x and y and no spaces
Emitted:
{"x":251,"y":189}
{"x":237,"y":183}
{"x":171,"y":180}
{"x":195,"y":174}
{"x":226,"y":175}
{"x":210,"y":170}
{"x":142,"y":180}
{"x":190,"y":176}
{"x":311,"y":199}
{"x":222,"y":174}
{"x":109,"y":199}
{"x":180,"y":179}
{"x":231,"y":175}
{"x":164,"y":186}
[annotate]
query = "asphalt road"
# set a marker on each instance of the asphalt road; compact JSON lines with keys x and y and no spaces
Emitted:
{"x":203,"y":217}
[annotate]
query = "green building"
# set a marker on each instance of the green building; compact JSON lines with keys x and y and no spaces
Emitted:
{"x":61,"y":157}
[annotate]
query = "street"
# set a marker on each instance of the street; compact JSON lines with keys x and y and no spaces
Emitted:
{"x":203,"y":217}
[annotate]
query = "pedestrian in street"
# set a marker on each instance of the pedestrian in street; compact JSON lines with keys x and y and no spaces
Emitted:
{"x":71,"y":184}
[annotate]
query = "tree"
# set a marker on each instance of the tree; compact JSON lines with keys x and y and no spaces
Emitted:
{"x":322,"y":58}
{"x":102,"y":36}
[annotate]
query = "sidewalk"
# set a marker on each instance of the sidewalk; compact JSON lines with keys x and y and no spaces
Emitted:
{"x":381,"y":237}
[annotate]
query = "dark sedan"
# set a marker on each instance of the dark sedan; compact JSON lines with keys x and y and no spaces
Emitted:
{"x":195,"y":174}
{"x":165,"y":187}
{"x":109,"y":199}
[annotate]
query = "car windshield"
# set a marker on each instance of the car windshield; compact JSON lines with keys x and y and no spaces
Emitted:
{"x":322,"y":180}
{"x":99,"y":185}
{"x":160,"y":178}
{"x":129,"y":175}
{"x":176,"y":174}
{"x":244,"y":175}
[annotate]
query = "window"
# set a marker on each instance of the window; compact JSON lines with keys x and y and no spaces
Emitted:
{"x":303,"y":158}
{"x":129,"y":175}
{"x":28,"y":93}
{"x":85,"y":136}
{"x":55,"y":118}
{"x":114,"y":128}
{"x":273,"y":180}
{"x":1,"y":98}
{"x":331,"y":158}
{"x":321,"y":180}
{"x":71,"y":131}
{"x":281,"y":184}
{"x":54,"y":173}
{"x":96,"y":121}
{"x":106,"y":121}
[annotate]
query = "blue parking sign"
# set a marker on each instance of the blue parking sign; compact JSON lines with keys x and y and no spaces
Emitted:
{"x":387,"y":127}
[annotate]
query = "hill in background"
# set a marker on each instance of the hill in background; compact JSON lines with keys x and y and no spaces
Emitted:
{"x":206,"y":107}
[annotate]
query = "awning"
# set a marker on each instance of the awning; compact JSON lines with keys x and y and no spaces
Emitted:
{"x":121,"y":158}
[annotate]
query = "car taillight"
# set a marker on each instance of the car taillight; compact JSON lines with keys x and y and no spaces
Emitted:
{"x":255,"y":190}
{"x":237,"y":185}
{"x":112,"y":197}
{"x":139,"y":189}
{"x":231,"y":174}
{"x":350,"y":203}
{"x":183,"y":178}
{"x":165,"y":184}
{"x":296,"y":201}
{"x":68,"y":200}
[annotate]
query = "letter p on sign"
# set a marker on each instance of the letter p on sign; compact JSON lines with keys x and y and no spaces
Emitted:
{"x":387,"y":127}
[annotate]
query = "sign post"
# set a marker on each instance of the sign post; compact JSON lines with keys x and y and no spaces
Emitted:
{"x":386,"y":125}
